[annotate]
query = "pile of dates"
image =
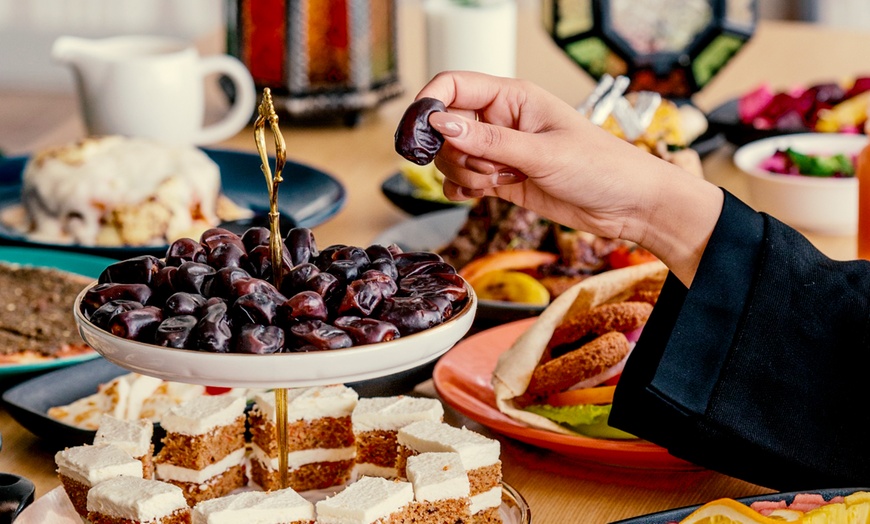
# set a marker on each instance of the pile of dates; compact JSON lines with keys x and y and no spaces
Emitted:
{"x":217,"y":295}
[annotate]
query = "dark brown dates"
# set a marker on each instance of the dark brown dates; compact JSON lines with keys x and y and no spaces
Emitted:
{"x":216,"y":294}
{"x":415,"y":139}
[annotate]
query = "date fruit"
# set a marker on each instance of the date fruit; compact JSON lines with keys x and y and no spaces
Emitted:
{"x":415,"y":139}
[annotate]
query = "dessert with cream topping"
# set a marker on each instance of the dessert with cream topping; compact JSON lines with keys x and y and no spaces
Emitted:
{"x":132,"y":500}
{"x":480,"y":457}
{"x":204,"y":448}
{"x":320,"y":440}
{"x":82,"y":467}
{"x":369,"y":500}
{"x":116,"y":191}
{"x":283,"y":506}
{"x":441,"y":488}
{"x":375,"y":423}
{"x":133,"y":436}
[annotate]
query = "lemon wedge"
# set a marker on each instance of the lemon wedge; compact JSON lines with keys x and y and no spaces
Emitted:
{"x":510,"y":286}
{"x":728,"y":511}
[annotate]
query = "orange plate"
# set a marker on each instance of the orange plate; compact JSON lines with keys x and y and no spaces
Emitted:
{"x":462,"y":378}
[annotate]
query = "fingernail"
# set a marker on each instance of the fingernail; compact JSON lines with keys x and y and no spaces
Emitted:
{"x":479,"y":165}
{"x":508,"y":177}
{"x":466,"y":192}
{"x":448,"y":124}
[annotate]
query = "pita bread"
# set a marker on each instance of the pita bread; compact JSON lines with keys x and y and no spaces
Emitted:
{"x":515,"y":366}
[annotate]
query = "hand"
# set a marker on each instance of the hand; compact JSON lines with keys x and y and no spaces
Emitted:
{"x":511,"y":139}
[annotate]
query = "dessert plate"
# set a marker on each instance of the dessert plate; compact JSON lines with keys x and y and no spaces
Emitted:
{"x":283,"y":369}
{"x":310,"y":197}
{"x":462,"y":378}
{"x":56,"y":508}
{"x":82,"y":264}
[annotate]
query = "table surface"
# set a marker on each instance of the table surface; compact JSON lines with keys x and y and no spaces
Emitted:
{"x":557,"y":489}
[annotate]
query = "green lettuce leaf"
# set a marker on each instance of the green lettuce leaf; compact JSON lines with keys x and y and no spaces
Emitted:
{"x":587,"y":419}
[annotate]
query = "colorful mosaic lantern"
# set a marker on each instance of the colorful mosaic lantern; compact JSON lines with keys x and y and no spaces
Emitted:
{"x":673,"y":47}
{"x":319,"y":58}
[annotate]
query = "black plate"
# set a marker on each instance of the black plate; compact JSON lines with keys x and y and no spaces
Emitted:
{"x":725,"y":120}
{"x":400,"y":192}
{"x":308,"y":196}
{"x":28,"y":402}
{"x":675,"y":515}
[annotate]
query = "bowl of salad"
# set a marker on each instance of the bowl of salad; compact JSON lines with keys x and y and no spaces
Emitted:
{"x":806,"y":180}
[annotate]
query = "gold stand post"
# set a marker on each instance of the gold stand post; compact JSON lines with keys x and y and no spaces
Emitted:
{"x":266,"y":113}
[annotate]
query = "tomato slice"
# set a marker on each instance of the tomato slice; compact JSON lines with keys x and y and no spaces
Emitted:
{"x":216,"y":390}
{"x":575,"y":397}
{"x":625,"y":256}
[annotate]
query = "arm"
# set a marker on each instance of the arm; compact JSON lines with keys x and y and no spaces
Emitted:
{"x":511,"y":139}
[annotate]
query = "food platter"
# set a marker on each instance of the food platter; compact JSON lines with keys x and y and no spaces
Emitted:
{"x":82,"y":264}
{"x":311,"y":198}
{"x":675,"y":515}
{"x":55,"y":504}
{"x":462,"y":378}
{"x":282,"y":369}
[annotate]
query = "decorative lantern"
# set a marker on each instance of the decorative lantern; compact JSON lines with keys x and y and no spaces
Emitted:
{"x":321,"y":58}
{"x":673,"y":47}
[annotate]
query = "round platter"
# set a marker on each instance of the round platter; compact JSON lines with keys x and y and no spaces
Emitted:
{"x":283,"y":369}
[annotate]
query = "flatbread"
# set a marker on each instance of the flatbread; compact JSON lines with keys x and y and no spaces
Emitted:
{"x":515,"y":366}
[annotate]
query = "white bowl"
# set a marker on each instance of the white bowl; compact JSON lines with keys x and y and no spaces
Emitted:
{"x":827,"y":206}
{"x":282,"y":370}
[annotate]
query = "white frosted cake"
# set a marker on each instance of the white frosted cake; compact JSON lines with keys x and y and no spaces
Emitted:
{"x":441,"y":488}
{"x":204,"y":448}
{"x":369,"y":500}
{"x":112,"y":191}
{"x":283,"y":506}
{"x":133,"y":436}
{"x":131,"y":500}
{"x":375,"y":423}
{"x":320,"y":438}
{"x":480,"y":457}
{"x":82,"y":467}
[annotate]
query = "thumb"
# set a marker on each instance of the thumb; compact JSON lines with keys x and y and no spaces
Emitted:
{"x":501,"y":145}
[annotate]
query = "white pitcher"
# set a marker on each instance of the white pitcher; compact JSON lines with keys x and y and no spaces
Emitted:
{"x":153,"y":87}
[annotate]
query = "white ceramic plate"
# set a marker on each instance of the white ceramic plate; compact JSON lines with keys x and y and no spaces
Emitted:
{"x":283,"y":369}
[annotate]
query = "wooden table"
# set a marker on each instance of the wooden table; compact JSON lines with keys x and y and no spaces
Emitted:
{"x":558,"y":489}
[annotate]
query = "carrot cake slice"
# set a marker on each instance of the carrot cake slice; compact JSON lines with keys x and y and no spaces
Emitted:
{"x":480,"y":457}
{"x":82,"y":467}
{"x":442,"y":492}
{"x":283,"y":506}
{"x":132,"y":500}
{"x":375,"y":424}
{"x":133,"y":436}
{"x":204,"y":448}
{"x":369,"y":500}
{"x":320,"y":441}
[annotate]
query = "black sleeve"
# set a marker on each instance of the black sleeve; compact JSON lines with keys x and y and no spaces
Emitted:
{"x":761,"y":370}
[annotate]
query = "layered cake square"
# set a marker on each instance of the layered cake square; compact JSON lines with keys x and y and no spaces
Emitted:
{"x":283,"y":506}
{"x":133,"y":436}
{"x":82,"y":467}
{"x":320,"y":438}
{"x":133,"y":500}
{"x":369,"y":500}
{"x":376,"y":422}
{"x":441,"y":488}
{"x":480,"y":457}
{"x":204,"y":448}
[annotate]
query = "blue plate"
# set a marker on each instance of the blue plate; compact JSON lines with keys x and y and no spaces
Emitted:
{"x":308,"y":196}
{"x":82,"y":264}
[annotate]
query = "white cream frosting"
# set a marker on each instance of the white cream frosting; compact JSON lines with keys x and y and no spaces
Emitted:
{"x":133,"y":436}
{"x":437,"y":476}
{"x":362,"y":469}
{"x":167,"y":471}
{"x":311,"y":403}
{"x":137,"y":499}
{"x":255,"y":507}
{"x":364,"y":501}
{"x":475,"y":450}
{"x":488,"y":499}
{"x":297,"y":459}
{"x":90,"y":465}
{"x":200,"y":415}
{"x":67,"y":191}
{"x":392,"y":413}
